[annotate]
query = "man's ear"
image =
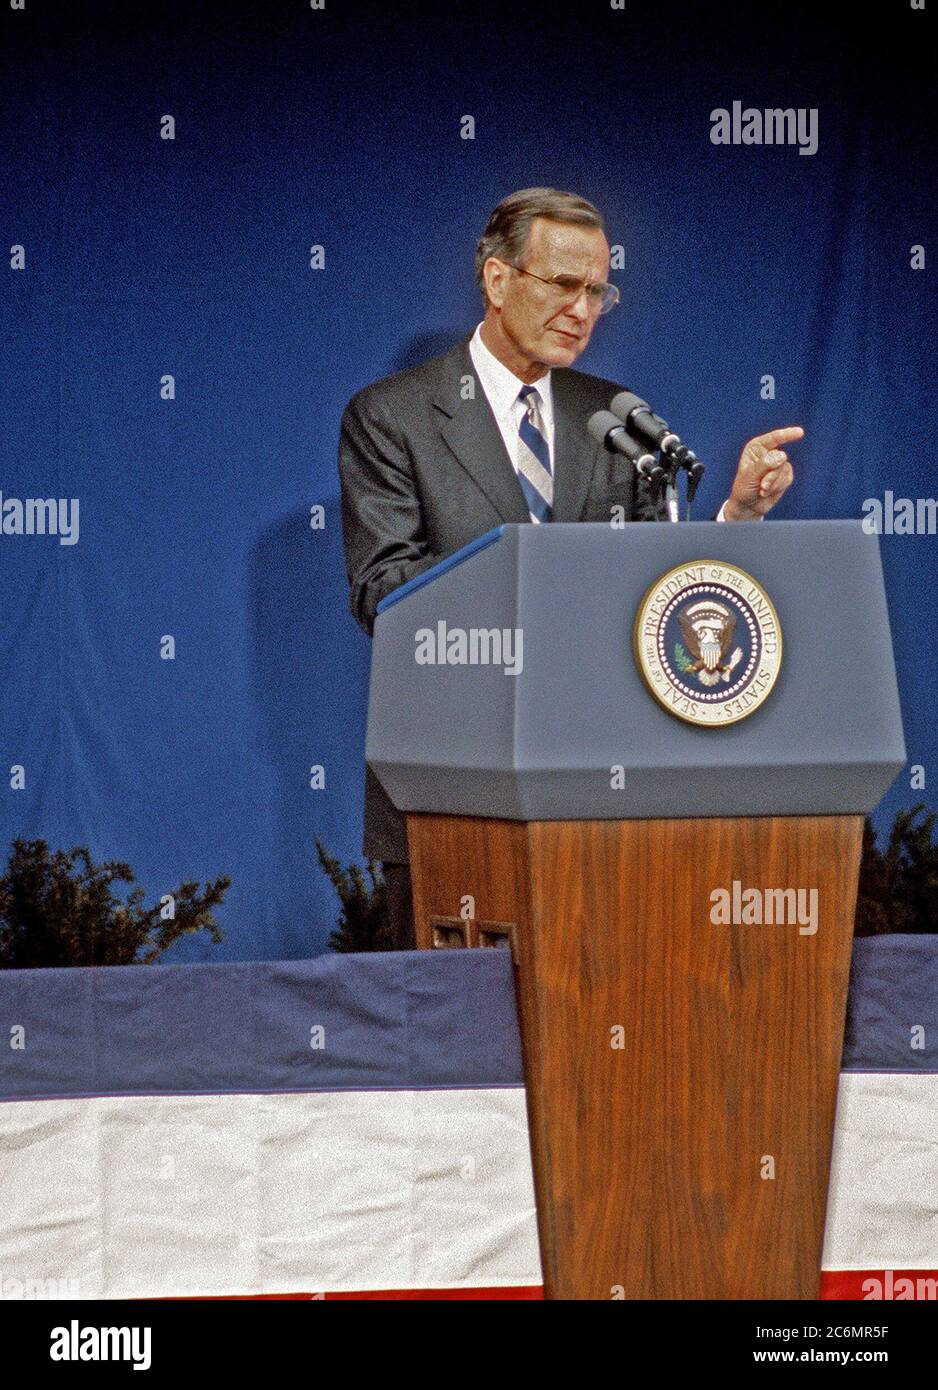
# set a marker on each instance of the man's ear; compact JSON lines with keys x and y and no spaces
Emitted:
{"x":495,"y":274}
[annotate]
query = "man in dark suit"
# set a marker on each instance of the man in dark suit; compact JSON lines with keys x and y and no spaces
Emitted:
{"x":495,"y":430}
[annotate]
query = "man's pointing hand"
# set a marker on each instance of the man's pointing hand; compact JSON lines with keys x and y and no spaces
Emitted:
{"x":763,"y":475}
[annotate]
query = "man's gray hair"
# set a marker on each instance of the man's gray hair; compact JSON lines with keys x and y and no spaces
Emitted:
{"x":506,"y":234}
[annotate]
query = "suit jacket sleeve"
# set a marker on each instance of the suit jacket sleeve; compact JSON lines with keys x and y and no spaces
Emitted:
{"x":382,"y":525}
{"x":648,"y":502}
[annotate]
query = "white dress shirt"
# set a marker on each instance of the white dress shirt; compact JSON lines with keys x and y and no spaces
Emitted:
{"x":501,"y":388}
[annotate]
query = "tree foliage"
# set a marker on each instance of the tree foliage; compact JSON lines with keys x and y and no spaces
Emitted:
{"x":59,"y":908}
{"x":898,"y":889}
{"x":363,"y":920}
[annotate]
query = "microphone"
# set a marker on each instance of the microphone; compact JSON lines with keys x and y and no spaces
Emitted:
{"x":693,"y":465}
{"x":640,"y":420}
{"x":607,"y":429}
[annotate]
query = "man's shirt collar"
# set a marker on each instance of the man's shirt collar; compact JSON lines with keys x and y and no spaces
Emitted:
{"x":501,"y":385}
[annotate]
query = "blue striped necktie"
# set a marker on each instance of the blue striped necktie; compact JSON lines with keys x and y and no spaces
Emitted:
{"x":534,"y":473}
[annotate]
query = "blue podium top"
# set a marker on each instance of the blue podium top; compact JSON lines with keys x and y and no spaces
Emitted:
{"x":567,"y":729}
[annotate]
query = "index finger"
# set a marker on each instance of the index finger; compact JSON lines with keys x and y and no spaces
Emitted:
{"x":781,"y":436}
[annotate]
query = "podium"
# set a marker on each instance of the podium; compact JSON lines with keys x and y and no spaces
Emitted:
{"x":678,"y":898}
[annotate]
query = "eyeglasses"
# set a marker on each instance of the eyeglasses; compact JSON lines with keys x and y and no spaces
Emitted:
{"x":600,"y":297}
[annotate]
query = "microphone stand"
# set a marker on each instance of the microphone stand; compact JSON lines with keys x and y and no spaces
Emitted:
{"x":670,"y":465}
{"x":670,"y":491}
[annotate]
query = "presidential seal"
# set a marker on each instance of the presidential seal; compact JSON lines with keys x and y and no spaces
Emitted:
{"x":708,"y":642}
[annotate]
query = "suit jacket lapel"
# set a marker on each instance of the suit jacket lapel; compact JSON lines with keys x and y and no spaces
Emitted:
{"x":470,"y":431}
{"x":575,"y":452}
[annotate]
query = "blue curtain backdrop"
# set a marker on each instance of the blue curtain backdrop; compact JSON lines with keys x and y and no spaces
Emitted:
{"x":341,"y":127}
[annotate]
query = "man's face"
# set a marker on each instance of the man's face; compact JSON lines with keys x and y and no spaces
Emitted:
{"x":542,"y":324}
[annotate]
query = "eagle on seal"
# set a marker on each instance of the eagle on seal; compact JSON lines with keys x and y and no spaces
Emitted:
{"x":707,"y":628}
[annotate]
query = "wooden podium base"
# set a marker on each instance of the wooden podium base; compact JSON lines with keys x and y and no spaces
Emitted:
{"x":681,"y":1071}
